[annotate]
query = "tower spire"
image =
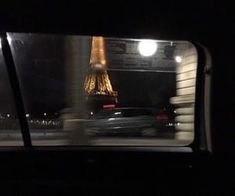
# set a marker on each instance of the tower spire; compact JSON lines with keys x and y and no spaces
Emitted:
{"x":97,"y":83}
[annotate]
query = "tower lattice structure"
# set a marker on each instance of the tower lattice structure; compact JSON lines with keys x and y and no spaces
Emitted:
{"x":97,"y":83}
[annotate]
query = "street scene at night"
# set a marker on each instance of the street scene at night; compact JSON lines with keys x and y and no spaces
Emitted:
{"x":80,"y":90}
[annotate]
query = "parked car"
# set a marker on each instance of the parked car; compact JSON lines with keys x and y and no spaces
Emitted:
{"x":130,"y":122}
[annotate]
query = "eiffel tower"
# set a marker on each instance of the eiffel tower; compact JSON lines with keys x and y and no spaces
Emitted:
{"x":98,"y":88}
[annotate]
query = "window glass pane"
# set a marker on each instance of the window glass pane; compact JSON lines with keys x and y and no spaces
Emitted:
{"x":10,"y":134}
{"x":83,"y":90}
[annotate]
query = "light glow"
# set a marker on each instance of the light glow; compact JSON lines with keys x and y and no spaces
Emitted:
{"x":178,"y":59}
{"x":147,"y":48}
{"x":108,"y":106}
{"x":9,"y":39}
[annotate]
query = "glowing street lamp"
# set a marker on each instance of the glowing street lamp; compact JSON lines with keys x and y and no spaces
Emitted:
{"x":147,"y":48}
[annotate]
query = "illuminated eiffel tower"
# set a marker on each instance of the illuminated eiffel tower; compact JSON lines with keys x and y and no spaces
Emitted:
{"x":97,"y":84}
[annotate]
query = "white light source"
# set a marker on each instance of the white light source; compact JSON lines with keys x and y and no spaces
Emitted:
{"x":178,"y":59}
{"x":27,"y":115}
{"x":98,"y":66}
{"x":8,"y":115}
{"x":9,"y":39}
{"x":147,"y":47}
{"x":45,"y":114}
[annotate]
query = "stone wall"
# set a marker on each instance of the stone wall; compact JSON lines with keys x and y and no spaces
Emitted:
{"x":185,"y":94}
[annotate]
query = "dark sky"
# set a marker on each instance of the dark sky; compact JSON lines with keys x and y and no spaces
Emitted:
{"x":6,"y":99}
{"x":143,"y":88}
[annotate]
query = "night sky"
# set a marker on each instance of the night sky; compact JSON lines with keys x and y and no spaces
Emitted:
{"x":40,"y":65}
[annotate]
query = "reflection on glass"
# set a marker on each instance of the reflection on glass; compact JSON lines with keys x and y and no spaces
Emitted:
{"x":81,"y":90}
{"x":10,"y":134}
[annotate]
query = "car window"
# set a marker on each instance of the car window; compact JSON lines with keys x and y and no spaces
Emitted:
{"x":10,"y":133}
{"x":104,"y":114}
{"x":134,"y":112}
{"x":71,"y":82}
{"x":146,"y":112}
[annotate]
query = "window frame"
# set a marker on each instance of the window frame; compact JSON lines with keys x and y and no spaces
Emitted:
{"x":202,"y":139}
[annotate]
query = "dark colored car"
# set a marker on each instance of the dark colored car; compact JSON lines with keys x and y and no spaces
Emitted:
{"x":130,"y":122}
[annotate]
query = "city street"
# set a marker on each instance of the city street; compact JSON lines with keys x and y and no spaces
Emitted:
{"x":61,"y":138}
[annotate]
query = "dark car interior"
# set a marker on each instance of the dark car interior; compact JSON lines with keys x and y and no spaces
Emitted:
{"x":205,"y":166}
